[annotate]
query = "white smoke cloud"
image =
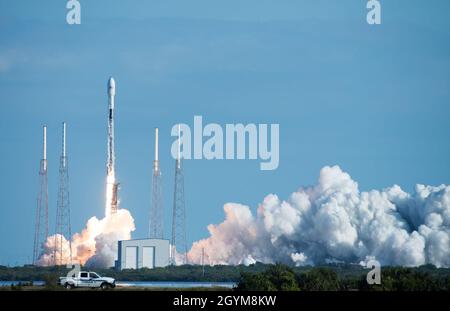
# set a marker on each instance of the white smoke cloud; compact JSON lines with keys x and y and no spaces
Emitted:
{"x":334,"y":222}
{"x":96,"y":245}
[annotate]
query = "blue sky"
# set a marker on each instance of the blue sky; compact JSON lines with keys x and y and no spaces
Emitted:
{"x":374,"y":100}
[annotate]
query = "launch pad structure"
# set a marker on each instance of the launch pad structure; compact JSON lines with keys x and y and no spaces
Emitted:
{"x":156,"y":223}
{"x":63,"y":253}
{"x":178,"y":240}
{"x":62,"y":250}
{"x":41,"y":221}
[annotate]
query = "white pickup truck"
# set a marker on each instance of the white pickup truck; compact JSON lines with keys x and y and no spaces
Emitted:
{"x":87,"y":279}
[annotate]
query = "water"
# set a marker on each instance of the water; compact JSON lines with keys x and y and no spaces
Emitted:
{"x":9,"y":283}
{"x":144,"y":284}
{"x":175,"y":284}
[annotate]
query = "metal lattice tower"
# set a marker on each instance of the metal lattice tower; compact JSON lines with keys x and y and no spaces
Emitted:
{"x":156,"y":226}
{"x":41,"y":221}
{"x":178,"y":241}
{"x":63,"y":253}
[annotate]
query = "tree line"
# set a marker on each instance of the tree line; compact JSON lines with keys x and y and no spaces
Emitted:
{"x":260,"y":276}
{"x":283,"y":278}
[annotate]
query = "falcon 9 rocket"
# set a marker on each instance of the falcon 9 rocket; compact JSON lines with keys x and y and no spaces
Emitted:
{"x":111,"y":185}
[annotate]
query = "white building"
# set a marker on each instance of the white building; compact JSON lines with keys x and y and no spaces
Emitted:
{"x":142,"y":253}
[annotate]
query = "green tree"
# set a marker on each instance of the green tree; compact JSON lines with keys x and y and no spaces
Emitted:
{"x":404,"y":279}
{"x":282,"y":277}
{"x":319,"y":279}
{"x":275,"y":277}
{"x":255,"y":282}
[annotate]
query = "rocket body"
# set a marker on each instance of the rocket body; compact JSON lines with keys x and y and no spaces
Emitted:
{"x":112,"y":186}
{"x":111,"y":156}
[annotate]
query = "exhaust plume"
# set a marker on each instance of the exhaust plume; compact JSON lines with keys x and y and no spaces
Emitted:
{"x":111,"y":193}
{"x":96,"y":244}
{"x":334,"y":222}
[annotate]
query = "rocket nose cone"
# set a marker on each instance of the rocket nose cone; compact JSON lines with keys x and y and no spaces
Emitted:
{"x":111,"y":86}
{"x":111,"y":82}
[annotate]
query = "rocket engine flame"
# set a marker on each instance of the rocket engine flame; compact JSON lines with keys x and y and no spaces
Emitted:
{"x":111,"y":193}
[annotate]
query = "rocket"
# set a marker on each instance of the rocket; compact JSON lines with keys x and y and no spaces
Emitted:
{"x":111,"y":94}
{"x":112,"y":187}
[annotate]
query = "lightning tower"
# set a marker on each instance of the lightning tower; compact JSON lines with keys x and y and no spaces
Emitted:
{"x":178,"y":241}
{"x":112,"y":186}
{"x":62,"y":255}
{"x":156,"y":227}
{"x":41,"y":221}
